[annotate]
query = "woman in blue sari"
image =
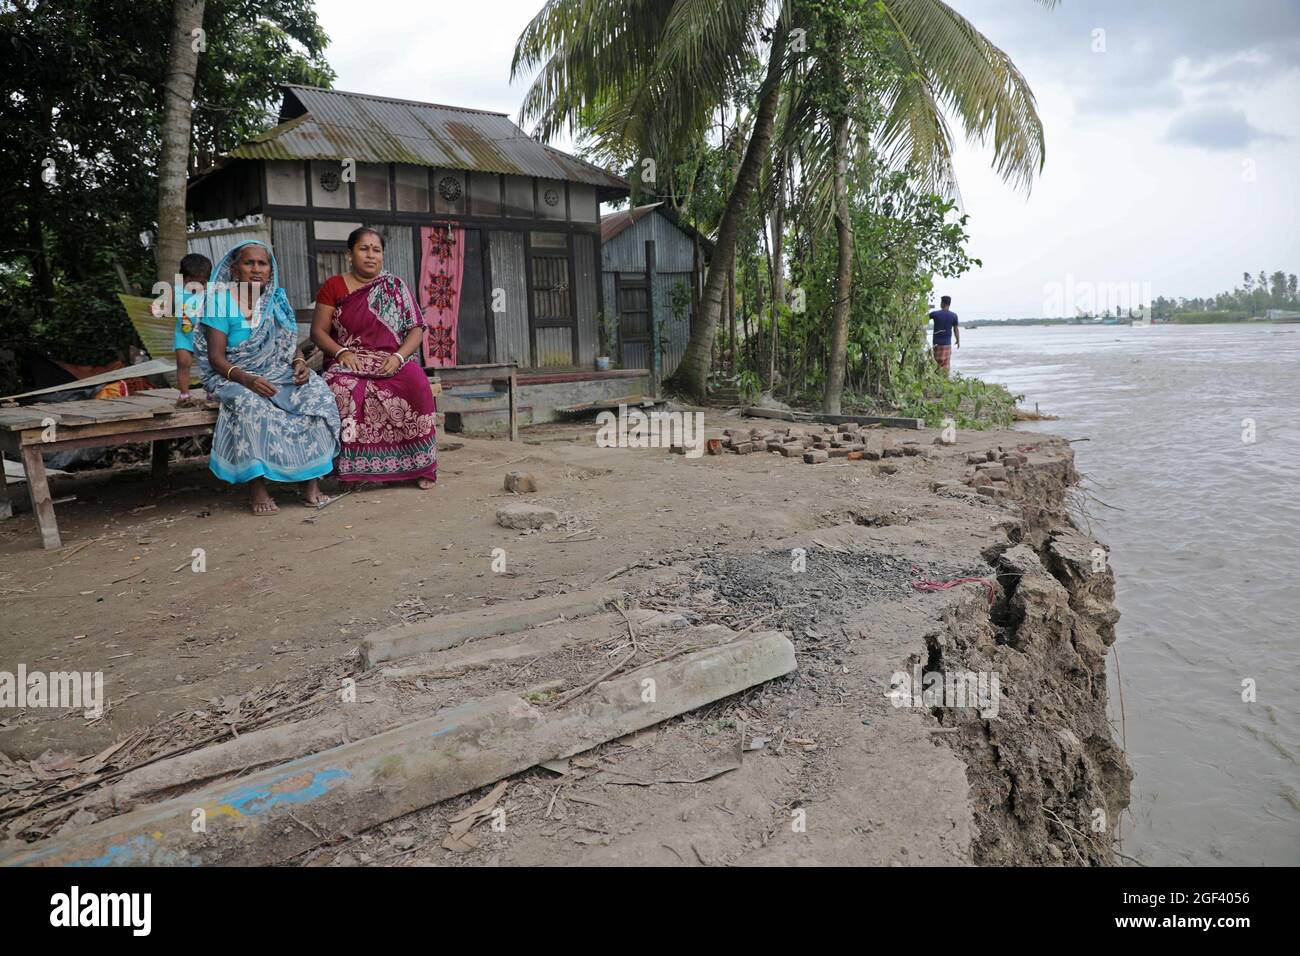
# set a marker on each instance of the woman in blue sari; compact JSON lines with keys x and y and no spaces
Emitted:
{"x":278,"y":419}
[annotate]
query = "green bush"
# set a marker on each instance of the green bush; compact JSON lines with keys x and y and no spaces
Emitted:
{"x":970,"y":402}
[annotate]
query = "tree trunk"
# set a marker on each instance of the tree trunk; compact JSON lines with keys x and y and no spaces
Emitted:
{"x":844,"y":274}
{"x":173,"y":167}
{"x":776,"y":274}
{"x":731,"y":313}
{"x":693,"y":373}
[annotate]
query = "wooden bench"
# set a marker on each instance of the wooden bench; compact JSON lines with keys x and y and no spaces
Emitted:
{"x":150,"y":416}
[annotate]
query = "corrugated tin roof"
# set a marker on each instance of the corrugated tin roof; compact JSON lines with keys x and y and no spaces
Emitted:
{"x":615,"y":223}
{"x":334,"y":125}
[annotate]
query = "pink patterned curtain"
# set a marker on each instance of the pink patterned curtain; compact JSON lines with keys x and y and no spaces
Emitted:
{"x":442,"y":265}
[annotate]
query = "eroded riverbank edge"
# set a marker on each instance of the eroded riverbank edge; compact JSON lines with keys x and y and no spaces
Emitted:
{"x":876,"y":784}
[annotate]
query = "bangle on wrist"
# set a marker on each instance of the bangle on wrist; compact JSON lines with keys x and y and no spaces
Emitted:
{"x":230,"y":373}
{"x":341,"y":351}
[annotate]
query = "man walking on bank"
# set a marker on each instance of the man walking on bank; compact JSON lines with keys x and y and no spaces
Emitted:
{"x":945,"y":333}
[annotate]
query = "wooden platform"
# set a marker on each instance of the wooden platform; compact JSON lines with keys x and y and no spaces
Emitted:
{"x":29,"y":430}
{"x":457,"y":382}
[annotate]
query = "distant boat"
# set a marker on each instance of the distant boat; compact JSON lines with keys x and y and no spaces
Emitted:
{"x":1141,"y":322}
{"x":1282,"y":315}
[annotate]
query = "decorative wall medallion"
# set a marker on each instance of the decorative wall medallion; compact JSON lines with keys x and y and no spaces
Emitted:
{"x":330,"y":181}
{"x":552,"y":196}
{"x":449,"y":188}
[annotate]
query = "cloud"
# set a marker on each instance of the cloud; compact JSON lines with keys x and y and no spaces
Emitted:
{"x":1119,"y":57}
{"x":1217,"y":127}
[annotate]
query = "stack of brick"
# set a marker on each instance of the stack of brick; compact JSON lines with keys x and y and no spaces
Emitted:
{"x":991,"y":471}
{"x":815,"y":442}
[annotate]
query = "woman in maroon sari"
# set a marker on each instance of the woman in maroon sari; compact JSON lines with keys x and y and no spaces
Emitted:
{"x":370,"y":329}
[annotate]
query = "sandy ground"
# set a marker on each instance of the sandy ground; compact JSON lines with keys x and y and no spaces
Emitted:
{"x":835,"y":774}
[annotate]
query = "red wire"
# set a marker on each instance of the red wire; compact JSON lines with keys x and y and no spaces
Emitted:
{"x":928,"y":584}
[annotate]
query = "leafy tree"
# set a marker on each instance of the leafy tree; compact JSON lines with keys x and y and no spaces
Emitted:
{"x":81,"y":140}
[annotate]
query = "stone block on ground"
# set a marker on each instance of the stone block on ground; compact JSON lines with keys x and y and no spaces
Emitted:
{"x":815,"y":457}
{"x":521,"y":482}
{"x":523,"y":517}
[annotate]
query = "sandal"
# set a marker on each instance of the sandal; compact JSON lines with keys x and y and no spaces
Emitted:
{"x":321,"y":501}
{"x":264,"y":509}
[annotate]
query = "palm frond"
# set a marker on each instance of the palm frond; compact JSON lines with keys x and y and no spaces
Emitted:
{"x":945,"y":65}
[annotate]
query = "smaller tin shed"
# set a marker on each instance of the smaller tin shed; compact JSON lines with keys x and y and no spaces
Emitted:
{"x":681,"y":255}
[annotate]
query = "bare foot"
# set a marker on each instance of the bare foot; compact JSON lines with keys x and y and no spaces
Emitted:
{"x":312,"y":496}
{"x":260,"y":498}
{"x":424,"y":484}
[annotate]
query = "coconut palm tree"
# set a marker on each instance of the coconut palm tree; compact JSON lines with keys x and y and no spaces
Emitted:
{"x":178,"y":93}
{"x":652,"y":71}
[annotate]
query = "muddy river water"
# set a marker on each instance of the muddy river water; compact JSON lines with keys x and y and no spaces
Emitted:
{"x":1194,"y":461}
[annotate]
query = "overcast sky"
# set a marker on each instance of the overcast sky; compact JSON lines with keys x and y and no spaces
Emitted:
{"x":1173,"y":137}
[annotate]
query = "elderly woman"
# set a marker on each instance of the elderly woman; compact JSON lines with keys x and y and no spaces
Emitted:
{"x":368,"y":324}
{"x":278,"y":420}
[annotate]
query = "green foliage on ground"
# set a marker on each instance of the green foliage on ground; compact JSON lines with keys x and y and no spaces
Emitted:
{"x":970,"y":402}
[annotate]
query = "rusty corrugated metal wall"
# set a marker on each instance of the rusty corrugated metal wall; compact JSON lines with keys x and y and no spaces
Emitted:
{"x":510,"y":325}
{"x":584,"y":269}
{"x":289,"y":240}
{"x":554,"y":348}
{"x":399,"y":252}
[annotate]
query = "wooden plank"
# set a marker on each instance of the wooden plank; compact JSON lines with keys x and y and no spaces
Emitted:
{"x":139,"y":370}
{"x":16,"y":419}
{"x":110,"y":410}
{"x":180,"y":425}
{"x":512,"y":385}
{"x":62,"y":412}
{"x":171,"y":394}
{"x":38,"y":490}
{"x":360,"y":784}
{"x":154,"y":404}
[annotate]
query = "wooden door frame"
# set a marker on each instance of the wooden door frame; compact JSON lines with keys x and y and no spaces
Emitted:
{"x":533,"y":325}
{"x":620,"y":284}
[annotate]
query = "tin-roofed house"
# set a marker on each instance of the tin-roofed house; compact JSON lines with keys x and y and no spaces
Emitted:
{"x":473,"y":211}
{"x":671,"y":296}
